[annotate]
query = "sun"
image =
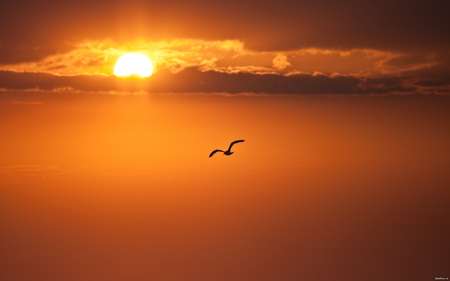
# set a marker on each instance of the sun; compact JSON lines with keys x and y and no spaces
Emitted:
{"x":132,"y":63}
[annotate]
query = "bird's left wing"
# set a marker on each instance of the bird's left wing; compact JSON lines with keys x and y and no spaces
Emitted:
{"x":217,"y":150}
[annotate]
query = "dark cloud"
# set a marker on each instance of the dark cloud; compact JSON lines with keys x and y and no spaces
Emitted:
{"x":434,"y":82}
{"x":191,"y":80}
{"x":263,"y":25}
{"x":384,"y":85}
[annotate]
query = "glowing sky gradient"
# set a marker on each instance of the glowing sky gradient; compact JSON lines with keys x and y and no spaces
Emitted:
{"x":343,"y":175}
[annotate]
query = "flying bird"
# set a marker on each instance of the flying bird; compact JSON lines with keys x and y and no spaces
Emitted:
{"x":228,"y":152}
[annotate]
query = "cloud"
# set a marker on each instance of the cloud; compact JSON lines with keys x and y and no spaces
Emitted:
{"x":99,"y":58}
{"x":192,"y":80}
{"x":16,"y":174}
{"x":280,"y":62}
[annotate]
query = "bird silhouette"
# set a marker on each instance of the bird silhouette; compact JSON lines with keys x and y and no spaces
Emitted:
{"x":228,"y":152}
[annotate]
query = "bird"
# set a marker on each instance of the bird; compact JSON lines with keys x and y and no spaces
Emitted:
{"x":228,"y":152}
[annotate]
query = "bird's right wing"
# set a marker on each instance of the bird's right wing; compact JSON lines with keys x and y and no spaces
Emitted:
{"x":217,"y":150}
{"x":237,"y":141}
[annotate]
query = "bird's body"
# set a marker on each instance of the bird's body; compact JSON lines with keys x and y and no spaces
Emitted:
{"x":228,"y":152}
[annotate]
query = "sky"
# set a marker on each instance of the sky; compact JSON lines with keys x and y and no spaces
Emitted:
{"x":343,"y":175}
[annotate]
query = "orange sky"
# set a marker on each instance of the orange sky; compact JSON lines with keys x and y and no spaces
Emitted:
{"x":114,"y":187}
{"x":343,"y":174}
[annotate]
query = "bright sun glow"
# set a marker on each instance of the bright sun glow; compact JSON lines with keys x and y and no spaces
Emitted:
{"x":133,"y":64}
